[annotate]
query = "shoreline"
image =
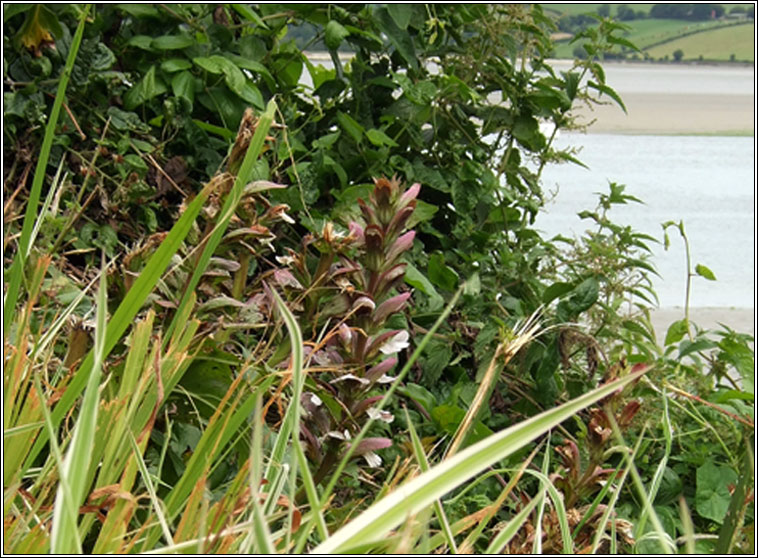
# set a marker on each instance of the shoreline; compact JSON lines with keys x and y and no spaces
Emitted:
{"x":741,"y":320}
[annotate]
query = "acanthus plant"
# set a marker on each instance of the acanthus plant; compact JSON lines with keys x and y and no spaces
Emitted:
{"x":355,"y":288}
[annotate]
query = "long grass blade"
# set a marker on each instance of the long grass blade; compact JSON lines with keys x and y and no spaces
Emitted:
{"x":76,"y":464}
{"x":125,"y":313}
{"x":423,"y":462}
{"x":414,"y":496}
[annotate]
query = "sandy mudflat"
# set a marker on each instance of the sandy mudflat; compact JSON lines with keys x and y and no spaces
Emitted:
{"x":664,"y":113}
{"x":741,"y":320}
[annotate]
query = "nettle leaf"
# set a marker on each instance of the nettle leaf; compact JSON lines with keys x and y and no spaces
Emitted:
{"x":712,"y":494}
{"x":437,"y":356}
{"x":449,"y":417}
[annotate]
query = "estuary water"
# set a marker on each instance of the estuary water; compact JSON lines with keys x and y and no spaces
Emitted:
{"x":707,"y":182}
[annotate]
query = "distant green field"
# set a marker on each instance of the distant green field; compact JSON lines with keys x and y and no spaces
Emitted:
{"x":716,"y":44}
{"x":574,"y":9}
{"x":645,"y":32}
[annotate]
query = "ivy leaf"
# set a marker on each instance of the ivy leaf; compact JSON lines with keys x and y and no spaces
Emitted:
{"x":712,"y":493}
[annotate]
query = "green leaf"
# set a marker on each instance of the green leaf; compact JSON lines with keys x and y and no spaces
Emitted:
{"x":676,"y":332}
{"x":334,"y":34}
{"x":149,"y":86}
{"x":183,"y":86}
{"x":420,"y":395}
{"x":440,"y":274}
{"x":175,"y":65}
{"x":399,"y":38}
{"x":703,"y":271}
{"x":139,"y":10}
{"x":172,"y":42}
{"x":213,"y":64}
{"x":436,"y":358}
{"x":252,"y":95}
{"x":401,"y":14}
{"x":449,"y":417}
{"x":419,"y":281}
{"x":351,"y":126}
{"x":144,"y":42}
{"x":247,"y":12}
{"x":608,"y":91}
{"x":379,"y":138}
{"x":712,"y":490}
{"x":688,"y":347}
{"x":556,"y":290}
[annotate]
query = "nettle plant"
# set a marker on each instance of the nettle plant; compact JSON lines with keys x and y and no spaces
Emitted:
{"x":354,"y":286}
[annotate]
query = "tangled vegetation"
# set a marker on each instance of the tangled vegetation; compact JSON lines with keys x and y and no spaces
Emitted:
{"x":254,"y":304}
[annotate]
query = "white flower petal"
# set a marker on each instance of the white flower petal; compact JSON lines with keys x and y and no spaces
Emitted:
{"x":372,"y":459}
{"x":396,"y":343}
{"x":380,"y":415}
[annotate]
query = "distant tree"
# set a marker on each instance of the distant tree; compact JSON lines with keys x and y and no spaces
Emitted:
{"x":751,"y":12}
{"x":738,"y":10}
{"x":732,"y":57}
{"x":604,"y":10}
{"x":678,"y":55}
{"x":625,"y":13}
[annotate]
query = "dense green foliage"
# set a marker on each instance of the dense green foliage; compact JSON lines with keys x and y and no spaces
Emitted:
{"x":217,"y":167}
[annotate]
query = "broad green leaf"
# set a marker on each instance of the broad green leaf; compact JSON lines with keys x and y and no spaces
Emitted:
{"x":415,"y":496}
{"x":424,"y":212}
{"x":418,"y":280}
{"x":676,"y":332}
{"x":379,"y":138}
{"x":213,"y":64}
{"x":175,"y":65}
{"x":399,"y":38}
{"x":712,"y":494}
{"x":172,"y":42}
{"x":249,"y":14}
{"x":334,"y":34}
{"x":401,"y":14}
{"x":148,"y":87}
{"x":703,"y":271}
{"x":688,"y":347}
{"x":144,"y":42}
{"x":420,"y":395}
{"x":556,"y":290}
{"x":351,"y":126}
{"x":139,"y":10}
{"x":440,"y":274}
{"x":183,"y":86}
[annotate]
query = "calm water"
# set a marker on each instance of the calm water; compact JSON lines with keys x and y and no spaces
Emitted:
{"x":708,"y":182}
